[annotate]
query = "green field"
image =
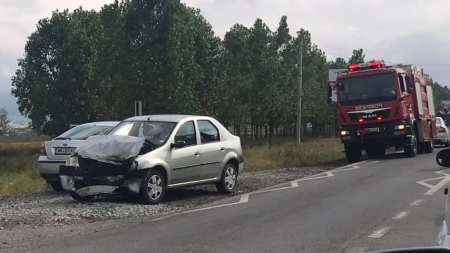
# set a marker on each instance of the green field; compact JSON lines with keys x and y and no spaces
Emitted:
{"x":19,"y":173}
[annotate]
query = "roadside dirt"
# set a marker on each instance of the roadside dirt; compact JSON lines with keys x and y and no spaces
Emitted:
{"x":36,"y":219}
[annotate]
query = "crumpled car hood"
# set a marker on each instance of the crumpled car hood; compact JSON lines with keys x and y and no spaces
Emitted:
{"x":112,"y":149}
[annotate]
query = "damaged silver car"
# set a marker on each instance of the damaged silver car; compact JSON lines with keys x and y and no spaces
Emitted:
{"x":146,"y":155}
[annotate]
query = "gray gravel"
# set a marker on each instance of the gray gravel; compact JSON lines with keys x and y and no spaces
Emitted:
{"x":49,"y":208}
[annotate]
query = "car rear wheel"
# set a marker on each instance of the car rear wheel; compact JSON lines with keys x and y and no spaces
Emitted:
{"x":227,"y":183}
{"x":77,"y":197}
{"x":153,"y":187}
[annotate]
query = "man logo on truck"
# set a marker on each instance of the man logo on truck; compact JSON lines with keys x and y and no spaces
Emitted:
{"x":370,"y":116}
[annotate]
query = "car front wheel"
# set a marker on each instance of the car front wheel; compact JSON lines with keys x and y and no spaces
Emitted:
{"x":153,"y":187}
{"x":227,"y":183}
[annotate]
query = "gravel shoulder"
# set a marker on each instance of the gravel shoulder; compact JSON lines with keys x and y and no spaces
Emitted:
{"x":36,"y":219}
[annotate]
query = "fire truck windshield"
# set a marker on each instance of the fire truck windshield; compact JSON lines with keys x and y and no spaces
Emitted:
{"x":368,"y":89}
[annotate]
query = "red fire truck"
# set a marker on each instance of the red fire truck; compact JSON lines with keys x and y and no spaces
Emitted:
{"x":383,"y":106}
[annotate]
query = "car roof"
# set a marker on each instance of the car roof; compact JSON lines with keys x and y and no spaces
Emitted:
{"x":101,"y":123}
{"x":161,"y":117}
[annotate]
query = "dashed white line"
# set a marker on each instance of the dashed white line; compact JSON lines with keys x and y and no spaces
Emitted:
{"x":379,"y":233}
{"x":373,"y":162}
{"x":417,"y":202}
{"x":329,"y":174}
{"x":294,"y":184}
{"x":400,"y":215}
{"x":357,"y":250}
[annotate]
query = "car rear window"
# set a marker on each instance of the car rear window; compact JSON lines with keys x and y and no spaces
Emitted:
{"x":83,"y":132}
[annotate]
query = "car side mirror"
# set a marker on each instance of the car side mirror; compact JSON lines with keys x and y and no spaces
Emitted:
{"x":443,"y":158}
{"x":446,"y":190}
{"x":178,"y":144}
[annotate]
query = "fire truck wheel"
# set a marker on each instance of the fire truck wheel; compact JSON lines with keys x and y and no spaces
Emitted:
{"x":428,"y":146}
{"x":411,"y":150}
{"x":352,"y":152}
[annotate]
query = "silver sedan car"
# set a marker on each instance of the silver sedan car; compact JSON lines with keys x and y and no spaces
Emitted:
{"x":146,"y":155}
{"x":55,"y":152}
{"x":443,"y":135}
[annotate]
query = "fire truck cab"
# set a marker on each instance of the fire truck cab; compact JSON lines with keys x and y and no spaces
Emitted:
{"x":383,"y":106}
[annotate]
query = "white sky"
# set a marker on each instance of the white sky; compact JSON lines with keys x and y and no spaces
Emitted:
{"x":407,"y":31}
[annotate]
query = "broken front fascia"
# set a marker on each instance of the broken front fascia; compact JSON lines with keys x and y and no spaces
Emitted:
{"x":118,"y":151}
{"x":112,"y":149}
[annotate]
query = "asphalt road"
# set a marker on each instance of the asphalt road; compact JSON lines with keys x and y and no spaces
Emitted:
{"x":374,"y":205}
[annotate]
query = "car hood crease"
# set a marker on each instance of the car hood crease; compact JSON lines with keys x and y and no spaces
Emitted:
{"x":110,"y":148}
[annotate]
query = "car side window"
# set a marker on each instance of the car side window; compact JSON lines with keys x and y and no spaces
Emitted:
{"x":187,"y":133}
{"x":208,"y":132}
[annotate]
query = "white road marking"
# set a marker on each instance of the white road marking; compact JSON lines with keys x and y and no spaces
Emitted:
{"x":438,"y":186}
{"x":417,"y":202}
{"x":357,"y":250}
{"x":380,"y":232}
{"x":442,"y":172}
{"x":423,"y":182}
{"x":373,"y":162}
{"x":400,"y":215}
{"x":244,"y":198}
{"x":351,"y":168}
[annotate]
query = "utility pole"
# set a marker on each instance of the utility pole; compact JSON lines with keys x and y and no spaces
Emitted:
{"x":300,"y":81}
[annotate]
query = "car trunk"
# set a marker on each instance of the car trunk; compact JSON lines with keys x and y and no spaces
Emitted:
{"x":60,"y":149}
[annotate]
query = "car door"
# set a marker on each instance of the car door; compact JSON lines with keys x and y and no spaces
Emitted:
{"x":212,"y":150}
{"x":185,"y":161}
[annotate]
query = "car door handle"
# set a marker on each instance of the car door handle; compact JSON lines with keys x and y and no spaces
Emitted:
{"x":222,"y":149}
{"x":197,"y":153}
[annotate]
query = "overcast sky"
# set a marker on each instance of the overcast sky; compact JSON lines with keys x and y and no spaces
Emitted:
{"x":400,"y":31}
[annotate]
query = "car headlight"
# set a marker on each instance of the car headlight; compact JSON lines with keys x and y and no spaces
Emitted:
{"x":133,"y":165}
{"x":343,"y":132}
{"x":72,"y":161}
{"x":399,"y":127}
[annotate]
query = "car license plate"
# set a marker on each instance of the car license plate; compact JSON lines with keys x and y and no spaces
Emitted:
{"x":64,"y":151}
{"x":373,"y":129}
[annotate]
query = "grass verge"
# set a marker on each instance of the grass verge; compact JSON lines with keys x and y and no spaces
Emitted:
{"x":18,"y":168}
{"x":311,"y":153}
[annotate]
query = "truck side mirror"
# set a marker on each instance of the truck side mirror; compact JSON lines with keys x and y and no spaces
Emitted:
{"x":409,"y":90}
{"x":329,"y":100}
{"x":408,"y":82}
{"x":329,"y":92}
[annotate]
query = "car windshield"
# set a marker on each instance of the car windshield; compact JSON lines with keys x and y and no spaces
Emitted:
{"x":83,"y":132}
{"x":368,"y":89}
{"x":153,"y":131}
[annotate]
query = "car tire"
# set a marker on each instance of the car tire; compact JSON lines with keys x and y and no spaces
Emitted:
{"x":412,"y":150}
{"x":77,"y":197}
{"x":153,"y":187}
{"x":228,"y":181}
{"x":56,"y":185}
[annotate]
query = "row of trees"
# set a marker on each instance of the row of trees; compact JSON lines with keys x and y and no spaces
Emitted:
{"x":85,"y":66}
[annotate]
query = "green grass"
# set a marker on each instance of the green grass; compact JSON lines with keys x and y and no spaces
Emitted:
{"x":19,"y":172}
{"x":18,"y":168}
{"x":312,"y":152}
